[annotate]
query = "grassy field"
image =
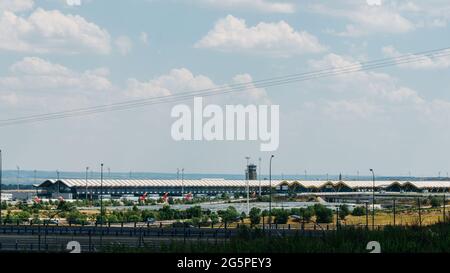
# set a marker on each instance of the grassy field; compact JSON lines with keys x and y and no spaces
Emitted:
{"x":413,"y":239}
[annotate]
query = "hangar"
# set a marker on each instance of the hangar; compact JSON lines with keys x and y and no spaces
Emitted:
{"x":80,"y":188}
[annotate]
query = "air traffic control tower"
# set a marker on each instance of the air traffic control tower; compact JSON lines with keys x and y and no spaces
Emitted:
{"x":251,"y":173}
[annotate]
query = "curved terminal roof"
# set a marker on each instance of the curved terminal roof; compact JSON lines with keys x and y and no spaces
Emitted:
{"x":116,"y":183}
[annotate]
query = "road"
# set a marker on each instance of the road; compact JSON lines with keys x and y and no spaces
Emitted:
{"x":55,"y":239}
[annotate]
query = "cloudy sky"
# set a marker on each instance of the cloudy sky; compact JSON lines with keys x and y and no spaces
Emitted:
{"x":58,"y":55}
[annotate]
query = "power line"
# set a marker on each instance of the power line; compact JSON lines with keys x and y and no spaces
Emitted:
{"x":224,"y":89}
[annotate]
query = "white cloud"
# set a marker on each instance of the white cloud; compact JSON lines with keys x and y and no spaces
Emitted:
{"x":35,"y":81}
{"x":350,"y":109}
{"x":259,"y":5}
{"x":144,"y":38}
{"x":16,"y":5}
{"x":365,"y":93}
{"x":426,"y":62}
{"x":279,"y":39}
{"x":366,"y":19}
{"x":124,"y":45}
{"x":177,"y":80}
{"x":51,"y":31}
{"x":183,"y":80}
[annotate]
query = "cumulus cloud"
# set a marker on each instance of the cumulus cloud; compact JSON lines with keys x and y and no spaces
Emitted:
{"x":182,"y":80}
{"x":51,"y":31}
{"x":365,"y":93}
{"x":426,"y":62}
{"x":16,"y":5}
{"x":177,"y":80}
{"x":34,"y":80}
{"x":259,"y":5}
{"x":365,"y":19}
{"x":280,"y":39}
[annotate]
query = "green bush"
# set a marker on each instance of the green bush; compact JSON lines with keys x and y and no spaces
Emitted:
{"x":359,"y":211}
{"x":323,"y":214}
{"x":344,"y":211}
{"x":435,"y":202}
{"x":255,"y":216}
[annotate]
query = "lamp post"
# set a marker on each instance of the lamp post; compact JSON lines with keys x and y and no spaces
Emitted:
{"x":101,"y":204}
{"x":270,"y":194}
{"x":182,"y":182}
{"x":259,"y":176}
{"x":373,"y":199}
{"x":1,"y":174}
{"x":18,"y":177}
{"x":87,"y":170}
{"x":247,"y":178}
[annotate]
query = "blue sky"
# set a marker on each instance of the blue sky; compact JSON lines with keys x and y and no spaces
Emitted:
{"x":56,"y":55}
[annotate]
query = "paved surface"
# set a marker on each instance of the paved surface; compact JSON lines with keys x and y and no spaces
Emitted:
{"x":55,"y":239}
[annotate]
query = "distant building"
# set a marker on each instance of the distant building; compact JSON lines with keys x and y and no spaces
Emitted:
{"x":78,"y":189}
{"x":7,"y":197}
{"x":251,"y":173}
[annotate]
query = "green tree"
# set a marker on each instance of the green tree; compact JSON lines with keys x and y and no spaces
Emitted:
{"x":112,"y":218}
{"x":195,"y":211}
{"x":230,"y":214}
{"x":214,"y":218}
{"x":281,"y":216}
{"x":359,"y":211}
{"x":435,"y":202}
{"x":23,"y":216}
{"x":323,"y":214}
{"x":344,"y":211}
{"x":134,"y":218}
{"x":255,"y":216}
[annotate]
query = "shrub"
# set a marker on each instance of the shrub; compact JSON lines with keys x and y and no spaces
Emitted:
{"x":343,"y":212}
{"x":255,"y":216}
{"x":435,"y":202}
{"x":359,"y":211}
{"x":323,"y":214}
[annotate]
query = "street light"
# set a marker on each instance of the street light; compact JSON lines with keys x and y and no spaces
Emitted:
{"x":182,"y":182}
{"x":101,"y":203}
{"x":247,"y":178}
{"x":1,"y":174}
{"x":18,"y":177}
{"x":373,"y":199}
{"x":259,"y":176}
{"x":87,"y":170}
{"x":270,"y":194}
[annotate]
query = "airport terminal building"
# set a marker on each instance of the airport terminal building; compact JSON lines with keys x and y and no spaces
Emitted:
{"x":80,"y":189}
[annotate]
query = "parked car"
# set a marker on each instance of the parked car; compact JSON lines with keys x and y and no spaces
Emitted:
{"x":51,"y":222}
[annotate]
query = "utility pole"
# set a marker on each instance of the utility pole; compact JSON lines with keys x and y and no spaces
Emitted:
{"x":1,"y":176}
{"x":420,"y":212}
{"x":373,"y":199}
{"x":394,"y":211}
{"x":367,"y":215}
{"x":444,"y":210}
{"x":101,"y":204}
{"x":182,"y":182}
{"x":270,"y":188}
{"x":18,"y":177}
{"x":87,"y":170}
{"x":259,"y":176}
{"x":247,"y":178}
